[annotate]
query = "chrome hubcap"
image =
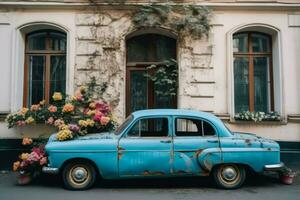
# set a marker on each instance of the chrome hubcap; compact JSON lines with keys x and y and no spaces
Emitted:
{"x":229,"y":173}
{"x":79,"y":174}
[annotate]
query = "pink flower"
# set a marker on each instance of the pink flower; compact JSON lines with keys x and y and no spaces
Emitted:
{"x":50,"y":120}
{"x":103,"y":108}
{"x":97,"y":116}
{"x":33,"y":157}
{"x":35,"y":107}
{"x":104,"y":120}
{"x":85,"y":111}
{"x":58,"y":122}
{"x":74,"y":128}
{"x":52,"y":109}
{"x":43,"y":161}
{"x":78,"y":96}
{"x":24,"y":163}
{"x":39,"y":150}
{"x":20,"y":123}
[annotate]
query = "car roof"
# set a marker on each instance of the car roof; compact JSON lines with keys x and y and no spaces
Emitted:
{"x":223,"y":131}
{"x":174,"y":112}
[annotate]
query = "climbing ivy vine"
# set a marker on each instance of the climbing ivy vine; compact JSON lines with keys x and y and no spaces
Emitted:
{"x":186,"y":20}
{"x":165,"y":77}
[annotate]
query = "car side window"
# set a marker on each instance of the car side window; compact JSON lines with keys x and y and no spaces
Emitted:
{"x":193,"y":127}
{"x":149,"y":127}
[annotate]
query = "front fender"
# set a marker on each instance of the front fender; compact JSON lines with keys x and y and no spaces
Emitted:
{"x":106,"y":162}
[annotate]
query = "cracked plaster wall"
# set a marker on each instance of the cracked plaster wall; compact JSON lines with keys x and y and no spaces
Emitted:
{"x":101,"y":52}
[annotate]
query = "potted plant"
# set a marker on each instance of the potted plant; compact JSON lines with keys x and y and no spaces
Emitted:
{"x":29,"y":165}
{"x":287,"y":176}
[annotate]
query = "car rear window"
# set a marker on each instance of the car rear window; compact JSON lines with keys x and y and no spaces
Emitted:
{"x":193,"y":127}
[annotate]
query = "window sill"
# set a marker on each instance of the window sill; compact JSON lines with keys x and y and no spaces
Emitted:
{"x":294,"y":118}
{"x":264,"y":122}
{"x":3,"y":116}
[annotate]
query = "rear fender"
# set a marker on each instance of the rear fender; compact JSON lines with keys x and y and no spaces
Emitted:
{"x":255,"y":158}
{"x":208,"y":158}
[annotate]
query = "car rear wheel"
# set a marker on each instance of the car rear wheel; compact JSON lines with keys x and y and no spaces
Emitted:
{"x":229,"y":176}
{"x":79,"y":175}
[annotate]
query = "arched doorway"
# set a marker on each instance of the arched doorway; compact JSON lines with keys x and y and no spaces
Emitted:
{"x":143,"y":51}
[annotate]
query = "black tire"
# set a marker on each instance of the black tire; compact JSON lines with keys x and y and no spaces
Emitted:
{"x":229,"y":176}
{"x":79,"y":175}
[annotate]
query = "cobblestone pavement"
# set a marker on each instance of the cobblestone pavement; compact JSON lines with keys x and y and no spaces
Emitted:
{"x":50,"y":187}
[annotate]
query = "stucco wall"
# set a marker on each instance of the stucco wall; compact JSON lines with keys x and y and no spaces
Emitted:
{"x":101,"y":52}
{"x":288,"y":37}
{"x":96,"y":47}
{"x":12,"y":24}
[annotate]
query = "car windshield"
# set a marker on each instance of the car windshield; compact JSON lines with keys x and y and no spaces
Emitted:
{"x":127,"y":121}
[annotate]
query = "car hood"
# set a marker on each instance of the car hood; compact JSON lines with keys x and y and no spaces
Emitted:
{"x":96,"y":141}
{"x":93,"y":136}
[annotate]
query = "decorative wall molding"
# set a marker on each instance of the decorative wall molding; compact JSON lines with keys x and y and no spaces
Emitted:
{"x":80,"y":3}
{"x":294,"y":118}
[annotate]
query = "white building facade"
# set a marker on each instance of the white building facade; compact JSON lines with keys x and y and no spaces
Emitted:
{"x":250,"y":60}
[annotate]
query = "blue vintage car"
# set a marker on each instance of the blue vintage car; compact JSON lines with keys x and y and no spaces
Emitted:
{"x":163,"y":143}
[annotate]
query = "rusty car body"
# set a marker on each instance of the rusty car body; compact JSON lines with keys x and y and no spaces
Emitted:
{"x":163,"y":143}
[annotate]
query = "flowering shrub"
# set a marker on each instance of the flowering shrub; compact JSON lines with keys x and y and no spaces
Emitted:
{"x":257,"y":116}
{"x":32,"y":161}
{"x":73,"y":116}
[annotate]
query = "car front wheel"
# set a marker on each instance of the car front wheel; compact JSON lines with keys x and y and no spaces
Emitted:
{"x":79,"y":175}
{"x":229,"y":176}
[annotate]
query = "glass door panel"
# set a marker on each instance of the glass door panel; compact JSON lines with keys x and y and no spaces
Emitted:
{"x":138,"y":90}
{"x":161,"y":100}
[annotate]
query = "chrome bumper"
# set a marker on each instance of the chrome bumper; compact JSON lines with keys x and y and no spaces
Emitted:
{"x":50,"y":170}
{"x":274,"y":167}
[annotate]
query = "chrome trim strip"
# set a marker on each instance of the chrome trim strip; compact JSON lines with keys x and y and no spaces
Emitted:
{"x":274,"y":167}
{"x":146,"y":150}
{"x":250,"y":149}
{"x":82,"y":151}
{"x":224,"y":149}
{"x":50,"y":170}
{"x":107,"y":151}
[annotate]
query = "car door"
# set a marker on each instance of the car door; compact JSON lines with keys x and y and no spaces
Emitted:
{"x":145,"y":150}
{"x":191,"y":137}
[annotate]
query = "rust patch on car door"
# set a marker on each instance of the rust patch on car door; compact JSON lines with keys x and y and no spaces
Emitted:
{"x":120,"y":149}
{"x":153,"y":173}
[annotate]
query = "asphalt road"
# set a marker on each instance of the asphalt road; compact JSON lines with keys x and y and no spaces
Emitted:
{"x":50,"y":188}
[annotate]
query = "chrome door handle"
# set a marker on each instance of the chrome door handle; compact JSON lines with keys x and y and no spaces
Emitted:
{"x":165,"y":141}
{"x":212,"y":141}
